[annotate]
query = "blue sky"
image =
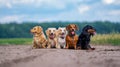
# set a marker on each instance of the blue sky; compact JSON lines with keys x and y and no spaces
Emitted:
{"x":59,"y":10}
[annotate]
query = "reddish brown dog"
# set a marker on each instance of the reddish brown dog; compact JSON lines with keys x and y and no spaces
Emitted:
{"x":71,"y":38}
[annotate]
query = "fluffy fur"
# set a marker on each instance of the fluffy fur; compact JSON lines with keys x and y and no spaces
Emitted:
{"x":71,"y":38}
{"x":52,"y":38}
{"x":84,"y":37}
{"x":61,"y":37}
{"x":39,"y":39}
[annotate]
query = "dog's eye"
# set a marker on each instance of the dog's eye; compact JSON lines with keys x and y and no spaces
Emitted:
{"x":34,"y":28}
{"x":60,"y":30}
{"x":70,"y":27}
{"x":49,"y":30}
{"x":53,"y":30}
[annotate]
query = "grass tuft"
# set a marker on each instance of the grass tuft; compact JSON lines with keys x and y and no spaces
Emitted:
{"x":111,"y":39}
{"x":15,"y":41}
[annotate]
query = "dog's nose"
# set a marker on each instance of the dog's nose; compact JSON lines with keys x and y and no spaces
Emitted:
{"x":63,"y":33}
{"x":73,"y":30}
{"x":51,"y":34}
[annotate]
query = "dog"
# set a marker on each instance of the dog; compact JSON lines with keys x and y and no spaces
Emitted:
{"x":39,"y":39}
{"x":52,"y":38}
{"x":71,"y":37}
{"x":61,"y":37}
{"x":84,"y":38}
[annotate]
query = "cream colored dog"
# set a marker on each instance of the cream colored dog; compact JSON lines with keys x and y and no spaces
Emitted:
{"x":39,"y":39}
{"x":61,"y":37}
{"x":52,"y":38}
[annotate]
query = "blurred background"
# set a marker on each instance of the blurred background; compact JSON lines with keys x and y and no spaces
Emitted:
{"x":17,"y":17}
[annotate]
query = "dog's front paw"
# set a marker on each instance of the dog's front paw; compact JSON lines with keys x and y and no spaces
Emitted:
{"x":78,"y":48}
{"x":58,"y":47}
{"x":34,"y":47}
{"x":92,"y":48}
{"x":66,"y":47}
{"x":48,"y":47}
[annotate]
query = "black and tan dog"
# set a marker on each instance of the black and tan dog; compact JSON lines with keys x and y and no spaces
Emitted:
{"x":84,"y":38}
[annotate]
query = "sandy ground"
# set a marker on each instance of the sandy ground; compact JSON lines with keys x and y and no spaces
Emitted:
{"x":24,"y":56}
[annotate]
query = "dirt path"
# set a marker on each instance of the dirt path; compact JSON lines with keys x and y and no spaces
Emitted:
{"x":24,"y":56}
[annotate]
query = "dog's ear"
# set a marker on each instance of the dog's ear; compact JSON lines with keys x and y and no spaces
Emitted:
{"x":76,"y":27}
{"x":39,"y":30}
{"x":56,"y":32}
{"x":68,"y":27}
{"x":31,"y":30}
{"x":58,"y":29}
{"x":47,"y":32}
{"x":66,"y":31}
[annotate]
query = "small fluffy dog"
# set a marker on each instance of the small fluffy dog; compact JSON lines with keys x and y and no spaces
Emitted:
{"x":52,"y":38}
{"x":71,"y":38}
{"x":39,"y":39}
{"x":61,"y":37}
{"x":84,"y":38}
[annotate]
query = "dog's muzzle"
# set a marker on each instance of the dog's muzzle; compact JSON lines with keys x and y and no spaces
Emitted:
{"x":73,"y":32}
{"x":62,"y":35}
{"x":94,"y":33}
{"x":51,"y":36}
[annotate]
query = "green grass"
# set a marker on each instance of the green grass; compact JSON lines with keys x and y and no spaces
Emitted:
{"x":109,"y":39}
{"x":16,"y":41}
{"x":99,"y":39}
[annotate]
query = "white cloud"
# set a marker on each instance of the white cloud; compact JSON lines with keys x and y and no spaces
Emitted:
{"x":83,"y":8}
{"x":21,"y":18}
{"x":114,"y":12}
{"x":4,"y":3}
{"x":108,"y":1}
{"x":59,"y":4}
{"x":74,"y":10}
{"x":115,"y":2}
{"x":22,"y":1}
{"x":7,"y":19}
{"x":8,"y":5}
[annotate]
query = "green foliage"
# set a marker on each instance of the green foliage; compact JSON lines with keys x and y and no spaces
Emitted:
{"x":14,"y":30}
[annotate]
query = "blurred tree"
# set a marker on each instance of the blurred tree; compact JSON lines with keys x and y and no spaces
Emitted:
{"x":14,"y":30}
